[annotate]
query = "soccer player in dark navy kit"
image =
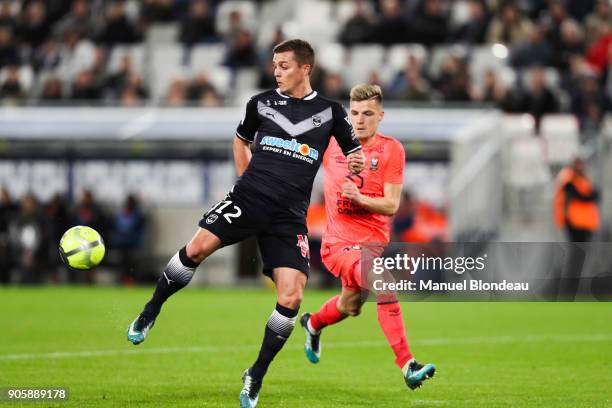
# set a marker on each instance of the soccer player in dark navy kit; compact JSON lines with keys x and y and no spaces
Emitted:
{"x":290,"y":128}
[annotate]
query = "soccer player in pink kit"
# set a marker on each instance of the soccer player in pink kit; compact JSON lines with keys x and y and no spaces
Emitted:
{"x":359,"y":210}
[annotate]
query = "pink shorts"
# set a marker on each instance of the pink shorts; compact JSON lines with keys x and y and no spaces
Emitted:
{"x":344,"y":261}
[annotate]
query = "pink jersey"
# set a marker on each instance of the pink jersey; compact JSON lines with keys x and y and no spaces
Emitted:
{"x":347,"y":222}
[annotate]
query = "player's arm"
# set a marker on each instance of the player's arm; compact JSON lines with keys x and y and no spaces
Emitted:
{"x":245,"y":134}
{"x":242,"y":155}
{"x":393,"y":182}
{"x":386,"y":205}
{"x":345,"y":136}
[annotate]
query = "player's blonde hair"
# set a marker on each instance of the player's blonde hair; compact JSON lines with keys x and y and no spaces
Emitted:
{"x":364,"y":92}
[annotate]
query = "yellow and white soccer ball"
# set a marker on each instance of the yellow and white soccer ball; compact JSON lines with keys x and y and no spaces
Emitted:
{"x":82,"y":248}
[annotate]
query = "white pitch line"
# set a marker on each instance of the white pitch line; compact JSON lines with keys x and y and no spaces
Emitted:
{"x":352,"y":344}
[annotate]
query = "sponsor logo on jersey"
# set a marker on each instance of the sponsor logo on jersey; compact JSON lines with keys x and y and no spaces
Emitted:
{"x":316,"y":120}
{"x":290,"y":146}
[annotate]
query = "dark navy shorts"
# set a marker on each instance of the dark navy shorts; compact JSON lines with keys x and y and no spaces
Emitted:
{"x":281,"y":231}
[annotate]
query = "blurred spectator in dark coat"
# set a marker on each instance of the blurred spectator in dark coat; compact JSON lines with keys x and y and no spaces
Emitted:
{"x":392,"y":27}
{"x":242,"y":52}
{"x":474,"y":30}
{"x":78,"y":19}
{"x":571,"y":44}
{"x":34,"y":26}
{"x":266,"y":76}
{"x":29,"y":242}
{"x":12,"y":90}
{"x":454,"y":80}
{"x":552,"y":19}
{"x":48,"y":56}
{"x":118,"y":29}
{"x":199,"y":86}
{"x":53,"y":90}
{"x":538,"y":99}
{"x":85,"y":88}
{"x":588,"y":102}
{"x":117,"y":80}
{"x":7,"y":19}
{"x":157,"y":10}
{"x":333,"y":88}
{"x":359,"y":27}
{"x":410,"y":84}
{"x":89,"y":213}
{"x":127,"y":237}
{"x":429,"y":24}
{"x":9,"y":53}
{"x":492,"y":90}
{"x":536,"y":51}
{"x":199,"y":25}
{"x":8,"y":211}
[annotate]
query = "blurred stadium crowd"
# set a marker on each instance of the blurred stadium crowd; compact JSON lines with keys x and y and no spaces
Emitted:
{"x":30,"y":232}
{"x":535,"y":56}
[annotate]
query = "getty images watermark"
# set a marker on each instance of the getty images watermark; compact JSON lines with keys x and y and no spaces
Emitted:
{"x":488,"y":271}
{"x":458,"y":265}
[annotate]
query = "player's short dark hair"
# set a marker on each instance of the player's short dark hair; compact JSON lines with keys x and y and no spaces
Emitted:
{"x":304,"y":53}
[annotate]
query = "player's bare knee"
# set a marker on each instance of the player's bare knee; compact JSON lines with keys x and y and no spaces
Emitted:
{"x":202,"y":245}
{"x":291,"y":299}
{"x":195,"y":252}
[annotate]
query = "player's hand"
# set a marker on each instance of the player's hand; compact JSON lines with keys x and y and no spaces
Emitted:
{"x":356,"y":162}
{"x":350,"y":191}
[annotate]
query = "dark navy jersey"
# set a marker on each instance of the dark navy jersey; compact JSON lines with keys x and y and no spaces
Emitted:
{"x":289,"y":139}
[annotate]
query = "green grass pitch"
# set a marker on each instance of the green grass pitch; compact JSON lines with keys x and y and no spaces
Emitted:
{"x":488,"y":354}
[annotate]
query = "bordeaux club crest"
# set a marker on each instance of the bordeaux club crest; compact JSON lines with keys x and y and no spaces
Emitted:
{"x":316,"y":120}
{"x":211,"y":218}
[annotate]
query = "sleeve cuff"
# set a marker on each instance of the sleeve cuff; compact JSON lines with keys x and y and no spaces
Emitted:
{"x":243,"y":138}
{"x":352,"y":150}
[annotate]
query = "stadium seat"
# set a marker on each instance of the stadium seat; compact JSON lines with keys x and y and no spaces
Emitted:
{"x":483,"y":59}
{"x":247,"y":78}
{"x":363,"y":60}
{"x":561,"y":134}
{"x":439,"y":55}
{"x":160,"y":34}
{"x":398,"y":55}
{"x":26,"y":77}
{"x":39,"y":82}
{"x":397,"y":58}
{"x":166,"y":63}
{"x":136,"y":52}
{"x":344,"y":11}
{"x":318,"y":31}
{"x":551,"y":76}
{"x":205,"y":57}
{"x":459,"y":13}
{"x":221,"y":78}
{"x":243,"y":95}
{"x":332,"y":57}
{"x":274,"y":13}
